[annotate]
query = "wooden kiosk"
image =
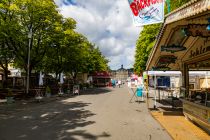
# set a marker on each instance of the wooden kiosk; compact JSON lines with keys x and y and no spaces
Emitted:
{"x":183,"y":44}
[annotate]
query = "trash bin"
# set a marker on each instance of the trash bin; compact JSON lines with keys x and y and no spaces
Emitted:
{"x":113,"y":83}
{"x":139,"y":92}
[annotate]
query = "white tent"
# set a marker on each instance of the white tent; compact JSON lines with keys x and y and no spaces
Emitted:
{"x":40,"y":79}
{"x":15,"y":72}
{"x":164,"y":73}
{"x":90,"y":79}
{"x":61,"y":78}
{"x":175,"y":73}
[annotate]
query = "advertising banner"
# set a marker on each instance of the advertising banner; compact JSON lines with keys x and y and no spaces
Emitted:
{"x":147,"y":12}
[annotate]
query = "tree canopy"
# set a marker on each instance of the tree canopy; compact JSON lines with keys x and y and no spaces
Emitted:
{"x":55,"y":46}
{"x":144,"y":45}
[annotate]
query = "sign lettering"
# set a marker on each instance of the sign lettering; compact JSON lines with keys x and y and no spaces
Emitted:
{"x":200,"y":50}
{"x":138,"y":5}
{"x":147,"y":11}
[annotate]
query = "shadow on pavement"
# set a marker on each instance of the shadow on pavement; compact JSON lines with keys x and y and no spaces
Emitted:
{"x":96,"y":91}
{"x":169,"y":102}
{"x":168,"y":111}
{"x":55,"y":121}
{"x":153,"y":109}
{"x":140,"y":101}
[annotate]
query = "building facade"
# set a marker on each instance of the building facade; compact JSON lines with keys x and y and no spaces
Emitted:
{"x":120,"y":74}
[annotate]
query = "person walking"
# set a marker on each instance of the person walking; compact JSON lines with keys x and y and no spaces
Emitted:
{"x":113,"y":83}
{"x":119,"y":83}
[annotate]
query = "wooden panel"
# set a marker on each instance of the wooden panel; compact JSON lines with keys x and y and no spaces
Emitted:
{"x":203,"y":83}
{"x":199,"y":111}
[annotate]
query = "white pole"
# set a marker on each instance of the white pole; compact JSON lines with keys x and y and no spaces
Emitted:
{"x":28,"y":64}
{"x":155,"y":105}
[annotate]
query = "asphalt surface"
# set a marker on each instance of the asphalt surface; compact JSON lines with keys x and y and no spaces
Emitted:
{"x":99,"y":114}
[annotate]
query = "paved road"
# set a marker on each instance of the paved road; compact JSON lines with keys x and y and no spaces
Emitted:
{"x":106,"y":115}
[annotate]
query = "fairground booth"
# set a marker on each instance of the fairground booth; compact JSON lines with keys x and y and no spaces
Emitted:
{"x":183,"y":44}
{"x":101,"y":79}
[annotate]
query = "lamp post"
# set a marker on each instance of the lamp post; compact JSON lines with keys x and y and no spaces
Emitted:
{"x":28,"y":64}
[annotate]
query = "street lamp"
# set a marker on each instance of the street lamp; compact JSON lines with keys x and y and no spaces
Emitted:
{"x":28,"y":64}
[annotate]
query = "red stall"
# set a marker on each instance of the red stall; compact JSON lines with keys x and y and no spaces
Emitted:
{"x":101,"y":79}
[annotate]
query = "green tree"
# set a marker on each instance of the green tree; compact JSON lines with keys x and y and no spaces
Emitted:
{"x":174,"y":4}
{"x":55,"y":46}
{"x":67,"y":51}
{"x":58,"y":48}
{"x":37,"y":17}
{"x":6,"y":57}
{"x":21,"y":17}
{"x":144,"y":45}
{"x":8,"y":28}
{"x":98,"y":61}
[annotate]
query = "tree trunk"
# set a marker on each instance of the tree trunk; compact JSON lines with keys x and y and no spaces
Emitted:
{"x":56,"y":75}
{"x":5,"y":78}
{"x":26,"y":71}
{"x":75,"y":77}
{"x":30,"y":81}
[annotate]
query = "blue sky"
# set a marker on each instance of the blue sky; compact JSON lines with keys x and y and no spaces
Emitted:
{"x":108,"y":24}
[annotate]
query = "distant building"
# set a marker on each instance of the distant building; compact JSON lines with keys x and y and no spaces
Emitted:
{"x":120,"y":74}
{"x":130,"y":72}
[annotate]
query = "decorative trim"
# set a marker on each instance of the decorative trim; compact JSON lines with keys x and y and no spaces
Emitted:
{"x":199,"y":58}
{"x":190,"y":9}
{"x":197,"y":30}
{"x":173,"y":48}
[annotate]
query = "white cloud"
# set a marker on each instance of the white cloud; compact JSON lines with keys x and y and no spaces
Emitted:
{"x":108,"y":24}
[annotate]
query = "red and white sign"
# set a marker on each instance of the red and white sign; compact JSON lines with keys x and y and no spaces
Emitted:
{"x":102,"y":74}
{"x":147,"y":11}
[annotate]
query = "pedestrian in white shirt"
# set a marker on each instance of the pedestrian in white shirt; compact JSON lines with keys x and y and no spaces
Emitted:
{"x":119,"y":83}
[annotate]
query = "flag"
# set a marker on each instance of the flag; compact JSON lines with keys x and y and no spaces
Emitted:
{"x":147,"y":12}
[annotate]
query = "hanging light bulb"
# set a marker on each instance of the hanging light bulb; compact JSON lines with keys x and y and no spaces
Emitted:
{"x":208,"y":27}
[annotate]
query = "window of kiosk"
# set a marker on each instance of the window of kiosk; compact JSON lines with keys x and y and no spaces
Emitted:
{"x":199,"y":86}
